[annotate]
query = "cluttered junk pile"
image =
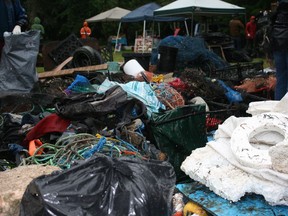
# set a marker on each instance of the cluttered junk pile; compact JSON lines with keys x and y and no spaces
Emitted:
{"x":125,"y":139}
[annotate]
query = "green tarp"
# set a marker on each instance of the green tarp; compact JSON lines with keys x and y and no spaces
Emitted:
{"x":179,"y":131}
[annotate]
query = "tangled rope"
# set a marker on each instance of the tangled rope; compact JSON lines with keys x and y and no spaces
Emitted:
{"x":74,"y":147}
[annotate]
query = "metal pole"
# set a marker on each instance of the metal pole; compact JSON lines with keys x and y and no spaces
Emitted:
{"x":118,"y":32}
{"x":143,"y":38}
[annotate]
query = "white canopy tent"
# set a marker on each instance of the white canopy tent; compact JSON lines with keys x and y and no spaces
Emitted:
{"x":198,"y":7}
{"x":114,"y":14}
{"x":201,"y":7}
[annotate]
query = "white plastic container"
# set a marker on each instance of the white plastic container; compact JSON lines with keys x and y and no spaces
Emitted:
{"x":133,"y":68}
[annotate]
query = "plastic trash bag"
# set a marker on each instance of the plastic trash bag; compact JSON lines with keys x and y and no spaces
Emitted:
{"x":103,"y":186}
{"x":18,"y":62}
{"x":232,"y":95}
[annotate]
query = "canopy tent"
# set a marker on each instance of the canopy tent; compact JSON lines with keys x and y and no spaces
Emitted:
{"x":198,"y":7}
{"x":114,"y":14}
{"x":145,"y":13}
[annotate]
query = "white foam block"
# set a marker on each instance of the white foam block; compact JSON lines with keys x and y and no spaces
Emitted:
{"x":213,"y":170}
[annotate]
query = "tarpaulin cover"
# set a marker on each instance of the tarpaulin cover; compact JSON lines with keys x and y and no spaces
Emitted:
{"x":103,"y":186}
{"x":179,"y":131}
{"x":18,"y":62}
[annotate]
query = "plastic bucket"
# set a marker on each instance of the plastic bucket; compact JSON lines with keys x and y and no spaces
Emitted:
{"x":133,"y":68}
{"x":142,"y":58}
{"x":167,"y":59}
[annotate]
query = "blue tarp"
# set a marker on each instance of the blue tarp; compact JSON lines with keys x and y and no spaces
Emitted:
{"x":250,"y":204}
{"x":145,"y":12}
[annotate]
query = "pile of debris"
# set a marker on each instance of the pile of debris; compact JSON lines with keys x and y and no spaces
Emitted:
{"x":114,"y":135}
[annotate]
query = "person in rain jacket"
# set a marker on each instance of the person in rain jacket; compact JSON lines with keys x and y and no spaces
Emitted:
{"x":38,"y":26}
{"x":85,"y":31}
{"x":250,"y":32}
{"x":13,"y":18}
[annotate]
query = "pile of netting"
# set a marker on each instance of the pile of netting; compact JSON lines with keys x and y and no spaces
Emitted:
{"x":199,"y":85}
{"x":193,"y":53}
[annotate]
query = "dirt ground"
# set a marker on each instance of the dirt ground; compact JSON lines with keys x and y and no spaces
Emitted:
{"x":13,"y":184}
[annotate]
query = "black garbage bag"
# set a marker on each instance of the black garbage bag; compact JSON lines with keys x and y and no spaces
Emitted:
{"x":112,"y":109}
{"x":103,"y":186}
{"x":18,"y":62}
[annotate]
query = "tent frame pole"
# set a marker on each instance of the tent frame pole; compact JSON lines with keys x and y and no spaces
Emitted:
{"x":192,"y":22}
{"x":186,"y":27}
{"x":118,"y":32}
{"x":143,"y":36}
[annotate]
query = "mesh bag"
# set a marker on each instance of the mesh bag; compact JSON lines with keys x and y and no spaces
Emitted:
{"x":169,"y":96}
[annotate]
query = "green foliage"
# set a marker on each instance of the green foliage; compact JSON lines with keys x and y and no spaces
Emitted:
{"x":60,"y":18}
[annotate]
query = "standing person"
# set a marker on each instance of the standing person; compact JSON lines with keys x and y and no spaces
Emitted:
{"x":38,"y":26}
{"x":85,"y":31}
{"x":13,"y":18}
{"x":250,"y":33}
{"x":279,"y":46}
{"x":236,"y":27}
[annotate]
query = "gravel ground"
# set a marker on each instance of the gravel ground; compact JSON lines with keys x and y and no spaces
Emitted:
{"x":13,"y":184}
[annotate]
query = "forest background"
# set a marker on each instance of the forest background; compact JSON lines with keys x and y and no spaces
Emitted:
{"x":61,"y":18}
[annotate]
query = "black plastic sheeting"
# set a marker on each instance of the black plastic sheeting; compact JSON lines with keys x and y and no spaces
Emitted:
{"x":18,"y":62}
{"x":103,"y":186}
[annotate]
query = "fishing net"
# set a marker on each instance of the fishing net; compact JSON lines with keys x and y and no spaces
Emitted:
{"x":192,"y":52}
{"x":169,"y":96}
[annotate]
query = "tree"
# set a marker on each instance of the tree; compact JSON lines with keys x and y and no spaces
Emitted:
{"x":63,"y":17}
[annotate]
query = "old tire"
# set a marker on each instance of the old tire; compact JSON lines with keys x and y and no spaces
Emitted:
{"x":86,"y":56}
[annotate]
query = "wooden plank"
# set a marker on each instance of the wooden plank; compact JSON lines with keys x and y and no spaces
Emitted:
{"x":64,"y":72}
{"x":59,"y":67}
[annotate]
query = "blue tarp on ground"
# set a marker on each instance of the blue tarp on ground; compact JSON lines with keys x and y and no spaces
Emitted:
{"x":251,"y":204}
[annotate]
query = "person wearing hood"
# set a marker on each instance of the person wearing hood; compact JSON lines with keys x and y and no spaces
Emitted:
{"x":85,"y":31}
{"x":250,"y":32}
{"x":38,"y":26}
{"x":13,"y":19}
{"x":279,"y":41}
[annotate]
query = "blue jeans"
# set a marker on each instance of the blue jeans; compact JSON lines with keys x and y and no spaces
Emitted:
{"x":237,"y":42}
{"x":281,"y":65}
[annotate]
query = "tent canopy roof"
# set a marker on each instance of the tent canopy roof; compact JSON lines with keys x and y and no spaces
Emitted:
{"x":114,"y":14}
{"x":145,"y":12}
{"x":200,"y":7}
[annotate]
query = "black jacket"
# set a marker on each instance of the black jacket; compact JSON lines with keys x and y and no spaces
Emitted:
{"x":279,"y":33}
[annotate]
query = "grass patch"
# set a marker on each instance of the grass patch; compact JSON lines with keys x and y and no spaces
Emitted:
{"x":117,"y":56}
{"x":40,"y":69}
{"x":266,"y":63}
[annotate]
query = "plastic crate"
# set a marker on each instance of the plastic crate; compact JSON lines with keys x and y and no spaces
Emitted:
{"x":238,"y":72}
{"x":65,"y":49}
